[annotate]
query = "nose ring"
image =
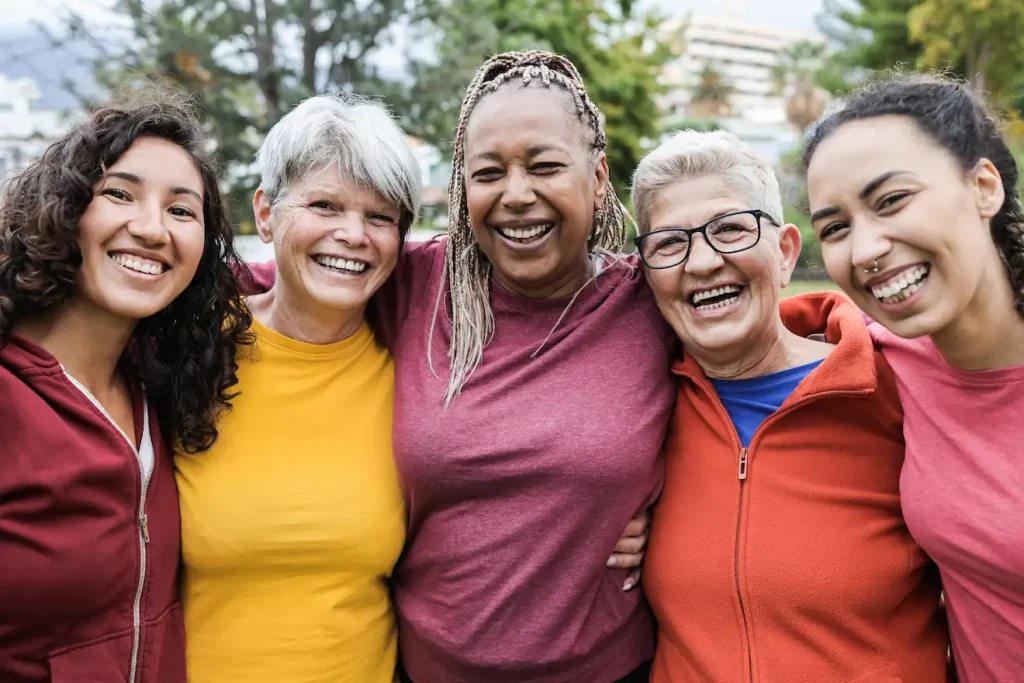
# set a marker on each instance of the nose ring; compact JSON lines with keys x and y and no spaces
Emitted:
{"x":873,"y":269}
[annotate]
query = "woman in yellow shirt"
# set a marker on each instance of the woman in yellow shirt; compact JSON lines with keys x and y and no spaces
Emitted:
{"x":293,"y":521}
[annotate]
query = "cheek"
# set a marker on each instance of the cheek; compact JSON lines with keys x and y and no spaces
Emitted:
{"x":385,"y":242}
{"x":191,"y":242}
{"x":666,"y":285}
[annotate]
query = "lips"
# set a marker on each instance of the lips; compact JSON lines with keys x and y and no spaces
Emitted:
{"x":342,"y":265}
{"x":711,"y":298}
{"x":525,"y":233}
{"x":901,"y":285}
{"x":138,"y":264}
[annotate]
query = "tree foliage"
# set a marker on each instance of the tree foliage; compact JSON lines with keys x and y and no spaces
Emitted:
{"x":246,"y":62}
{"x":983,"y":39}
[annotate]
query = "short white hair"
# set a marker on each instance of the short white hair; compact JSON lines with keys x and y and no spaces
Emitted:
{"x":693,"y":154}
{"x":354,"y":135}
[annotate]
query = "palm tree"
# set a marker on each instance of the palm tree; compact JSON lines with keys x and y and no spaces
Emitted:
{"x":794,"y":76}
{"x":710,"y":97}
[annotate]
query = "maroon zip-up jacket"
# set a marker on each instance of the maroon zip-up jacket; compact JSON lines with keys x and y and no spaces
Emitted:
{"x":73,"y":545}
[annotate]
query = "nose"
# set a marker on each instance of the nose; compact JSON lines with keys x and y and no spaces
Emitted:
{"x":149,"y":224}
{"x":518,"y":189}
{"x":869,"y":244}
{"x":703,"y":260}
{"x":350,"y":229}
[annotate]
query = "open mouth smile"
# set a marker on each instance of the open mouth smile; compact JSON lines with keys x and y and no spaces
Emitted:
{"x":526,"y":235}
{"x":715,"y":298}
{"x":340,"y":265}
{"x":901,"y":286}
{"x":138,"y":264}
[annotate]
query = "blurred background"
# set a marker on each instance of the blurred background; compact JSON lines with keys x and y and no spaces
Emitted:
{"x":764,"y":71}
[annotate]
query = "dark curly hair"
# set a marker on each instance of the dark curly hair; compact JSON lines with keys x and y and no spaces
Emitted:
{"x":957,"y":120}
{"x":184,"y":355}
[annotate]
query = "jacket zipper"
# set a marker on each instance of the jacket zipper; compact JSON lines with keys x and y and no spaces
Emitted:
{"x":744,"y":464}
{"x":143,"y":522}
{"x":736,"y":560}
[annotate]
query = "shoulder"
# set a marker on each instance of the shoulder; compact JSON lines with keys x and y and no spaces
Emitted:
{"x":624,"y":277}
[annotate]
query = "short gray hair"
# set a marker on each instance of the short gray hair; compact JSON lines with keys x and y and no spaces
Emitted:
{"x":692,"y":154}
{"x":352,"y":134}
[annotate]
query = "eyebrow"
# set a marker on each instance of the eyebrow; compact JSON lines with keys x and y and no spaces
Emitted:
{"x":530,"y":152}
{"x":139,"y":180}
{"x":864,"y":194}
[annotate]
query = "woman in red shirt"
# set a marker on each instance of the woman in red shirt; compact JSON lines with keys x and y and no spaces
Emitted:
{"x":119,"y":318}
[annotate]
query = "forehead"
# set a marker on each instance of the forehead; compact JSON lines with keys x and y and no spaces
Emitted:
{"x":694,"y":201}
{"x":859,"y":151}
{"x":516,"y":116}
{"x":161,"y":163}
{"x":331,"y":182}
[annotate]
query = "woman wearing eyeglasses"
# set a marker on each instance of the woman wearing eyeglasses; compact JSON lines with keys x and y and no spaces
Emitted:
{"x":778,"y":550}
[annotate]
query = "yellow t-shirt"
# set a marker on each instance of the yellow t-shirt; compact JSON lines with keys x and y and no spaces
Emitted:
{"x":292,"y":523}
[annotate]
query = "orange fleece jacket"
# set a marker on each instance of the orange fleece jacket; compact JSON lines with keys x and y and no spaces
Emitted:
{"x":804,"y":570}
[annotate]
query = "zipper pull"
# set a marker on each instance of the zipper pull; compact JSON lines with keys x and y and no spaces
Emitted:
{"x":144,"y":527}
{"x":743,"y":464}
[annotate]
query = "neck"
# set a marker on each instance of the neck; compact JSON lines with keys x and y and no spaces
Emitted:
{"x":989,"y":334}
{"x":772,"y":350}
{"x":88,"y":342}
{"x":565,"y":285}
{"x":296,"y":318}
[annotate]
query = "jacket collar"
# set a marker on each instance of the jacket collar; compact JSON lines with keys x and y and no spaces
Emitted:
{"x":850,"y":368}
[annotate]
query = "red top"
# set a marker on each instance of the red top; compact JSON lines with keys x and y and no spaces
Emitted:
{"x":71,"y":537}
{"x":803,"y":570}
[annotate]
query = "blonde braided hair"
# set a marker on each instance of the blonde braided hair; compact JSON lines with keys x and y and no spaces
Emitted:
{"x":467,"y":269}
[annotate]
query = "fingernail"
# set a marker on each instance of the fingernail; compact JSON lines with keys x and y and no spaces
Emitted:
{"x":626,"y":586}
{"x":610,"y":562}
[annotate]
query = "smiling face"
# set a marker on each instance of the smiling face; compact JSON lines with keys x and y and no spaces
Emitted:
{"x":335,"y":242}
{"x":532,"y":186}
{"x":882,"y":192}
{"x":142,"y":235}
{"x":722,"y":306}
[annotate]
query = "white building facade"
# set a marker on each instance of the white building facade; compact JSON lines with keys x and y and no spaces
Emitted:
{"x":744,"y":55}
{"x":25,"y":132}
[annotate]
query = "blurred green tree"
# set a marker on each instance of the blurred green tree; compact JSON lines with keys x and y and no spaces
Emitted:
{"x":245,"y":61}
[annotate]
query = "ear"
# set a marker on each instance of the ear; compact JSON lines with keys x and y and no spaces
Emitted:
{"x":601,"y":187}
{"x":988,"y":186}
{"x":789,"y":245}
{"x":261,"y":211}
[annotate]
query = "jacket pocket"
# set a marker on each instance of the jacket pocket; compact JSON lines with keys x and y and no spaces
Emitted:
{"x":162,"y":653}
{"x":883,"y":672}
{"x":104,"y":661}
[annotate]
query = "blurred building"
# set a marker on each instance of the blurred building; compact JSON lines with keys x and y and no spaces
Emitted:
{"x":743,"y":56}
{"x":26,"y":131}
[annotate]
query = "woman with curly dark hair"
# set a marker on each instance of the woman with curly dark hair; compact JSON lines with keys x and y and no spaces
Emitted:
{"x":119,"y":321}
{"x":914,"y":197}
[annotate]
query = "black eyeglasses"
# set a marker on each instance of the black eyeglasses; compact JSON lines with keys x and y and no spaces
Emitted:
{"x":728,"y":234}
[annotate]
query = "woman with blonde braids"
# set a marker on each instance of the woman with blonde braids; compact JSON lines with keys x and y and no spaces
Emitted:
{"x":529,"y":407}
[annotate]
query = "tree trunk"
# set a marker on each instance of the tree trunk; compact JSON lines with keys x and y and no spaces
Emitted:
{"x":266,"y":69}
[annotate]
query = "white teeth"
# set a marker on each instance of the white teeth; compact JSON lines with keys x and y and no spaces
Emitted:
{"x":711,"y":293}
{"x":139,"y":265}
{"x":341,"y":264}
{"x":900,"y":288}
{"x":527,"y":233}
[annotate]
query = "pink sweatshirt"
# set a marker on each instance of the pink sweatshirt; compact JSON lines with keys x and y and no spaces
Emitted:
{"x":962,"y":491}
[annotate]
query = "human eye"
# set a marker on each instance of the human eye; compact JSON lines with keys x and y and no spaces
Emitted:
{"x":489,"y":173}
{"x":833,"y":231}
{"x":892,"y":199}
{"x":182,"y":212}
{"x":382,"y":219}
{"x":117,"y":193}
{"x":322,"y":205}
{"x":546,"y":167}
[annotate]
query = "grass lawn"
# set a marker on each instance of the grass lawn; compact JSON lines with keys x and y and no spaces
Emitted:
{"x":804,"y":286}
